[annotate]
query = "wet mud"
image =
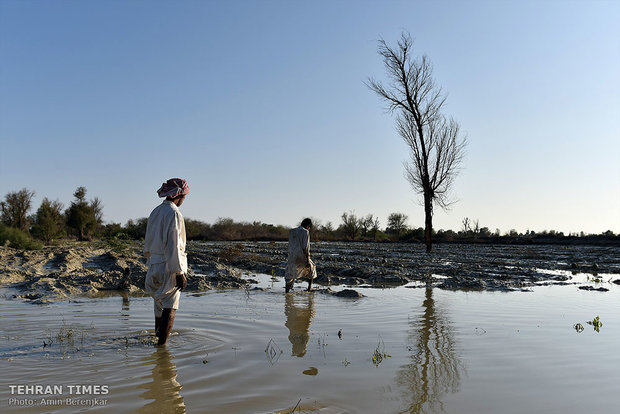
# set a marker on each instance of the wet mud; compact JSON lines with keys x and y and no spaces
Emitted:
{"x":449,"y":266}
{"x":56,"y":273}
{"x":61,"y":272}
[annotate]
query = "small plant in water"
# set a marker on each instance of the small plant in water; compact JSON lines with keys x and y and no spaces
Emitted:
{"x":595,"y":278}
{"x":596,"y":323}
{"x":379,"y":355}
{"x":296,"y":405}
{"x":578,"y":327}
{"x":65,"y":334}
{"x":346,"y":362}
{"x":67,"y":338}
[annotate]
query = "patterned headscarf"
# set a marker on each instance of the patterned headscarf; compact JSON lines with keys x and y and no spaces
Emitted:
{"x":174,"y":187}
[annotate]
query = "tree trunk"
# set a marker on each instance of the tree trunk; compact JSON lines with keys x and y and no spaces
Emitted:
{"x":428,"y":228}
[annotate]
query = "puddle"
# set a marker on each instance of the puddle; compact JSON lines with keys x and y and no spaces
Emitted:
{"x":261,"y":351}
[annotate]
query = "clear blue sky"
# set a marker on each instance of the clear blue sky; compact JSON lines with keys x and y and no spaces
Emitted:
{"x":262,"y":106}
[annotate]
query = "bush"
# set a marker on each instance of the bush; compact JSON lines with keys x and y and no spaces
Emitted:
{"x":231,"y":253}
{"x":119,"y":243}
{"x":49,"y":222}
{"x":17,"y":239}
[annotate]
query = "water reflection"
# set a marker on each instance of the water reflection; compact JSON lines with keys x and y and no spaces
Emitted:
{"x":125,"y":305}
{"x":299,"y":311}
{"x":163,"y":389}
{"x":435,"y":369}
{"x":125,"y":314}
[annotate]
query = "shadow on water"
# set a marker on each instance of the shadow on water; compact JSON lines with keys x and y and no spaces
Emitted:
{"x":163,"y":391}
{"x":435,"y":369}
{"x":299,"y":311}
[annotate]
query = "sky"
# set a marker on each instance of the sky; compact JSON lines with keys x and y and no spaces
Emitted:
{"x":262,"y":106}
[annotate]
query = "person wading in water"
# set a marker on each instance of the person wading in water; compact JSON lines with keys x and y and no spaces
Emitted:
{"x":299,"y":264}
{"x":164,"y":248}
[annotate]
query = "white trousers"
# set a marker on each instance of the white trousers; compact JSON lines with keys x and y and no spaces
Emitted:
{"x":161,"y":285}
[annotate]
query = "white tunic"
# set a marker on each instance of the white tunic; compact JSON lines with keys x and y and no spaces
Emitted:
{"x":164,"y":248}
{"x":298,"y":253}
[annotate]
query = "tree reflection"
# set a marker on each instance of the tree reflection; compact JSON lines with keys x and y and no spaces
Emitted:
{"x":164,"y":389}
{"x":435,"y":368}
{"x":299,"y":311}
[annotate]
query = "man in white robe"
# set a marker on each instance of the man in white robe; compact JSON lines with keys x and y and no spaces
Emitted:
{"x":299,"y":264}
{"x":164,"y":248}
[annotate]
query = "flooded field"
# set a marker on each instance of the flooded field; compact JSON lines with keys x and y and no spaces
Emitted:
{"x":450,"y":266}
{"x":62,"y":272}
{"x":410,"y":349}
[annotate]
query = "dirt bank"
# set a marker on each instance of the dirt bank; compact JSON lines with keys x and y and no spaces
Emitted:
{"x":60,"y":272}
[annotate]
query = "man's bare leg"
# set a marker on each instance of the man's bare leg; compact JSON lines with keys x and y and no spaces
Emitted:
{"x":157,"y":326}
{"x":165,"y":325}
{"x":289,"y":285}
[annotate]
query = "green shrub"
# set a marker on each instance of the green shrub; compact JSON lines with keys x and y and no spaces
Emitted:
{"x":17,"y":239}
{"x":119,"y":243}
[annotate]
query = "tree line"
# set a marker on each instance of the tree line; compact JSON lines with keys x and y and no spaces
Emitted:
{"x":82,"y":220}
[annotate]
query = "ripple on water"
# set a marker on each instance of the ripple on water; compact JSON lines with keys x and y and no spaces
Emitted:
{"x":265,"y":351}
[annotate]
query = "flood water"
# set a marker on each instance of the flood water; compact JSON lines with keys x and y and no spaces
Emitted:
{"x":238,"y":351}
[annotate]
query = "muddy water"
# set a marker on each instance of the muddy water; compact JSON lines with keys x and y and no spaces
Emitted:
{"x":253,"y":351}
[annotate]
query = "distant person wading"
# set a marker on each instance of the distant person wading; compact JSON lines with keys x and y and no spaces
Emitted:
{"x":299,"y":264}
{"x":164,"y":248}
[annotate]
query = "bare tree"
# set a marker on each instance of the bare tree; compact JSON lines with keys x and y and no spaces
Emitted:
{"x":366,"y":224}
{"x":476,"y":227}
{"x":315,"y":229}
{"x":350,"y":225}
{"x":435,"y":143}
{"x":15,"y":207}
{"x":466,"y":225}
{"x":374,"y":228}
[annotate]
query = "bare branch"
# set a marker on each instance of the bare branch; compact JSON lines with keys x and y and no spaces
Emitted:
{"x":435,"y":142}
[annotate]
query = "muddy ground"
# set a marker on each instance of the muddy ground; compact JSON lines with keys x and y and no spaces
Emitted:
{"x":449,"y":266}
{"x":87,"y":269}
{"x":63,"y":271}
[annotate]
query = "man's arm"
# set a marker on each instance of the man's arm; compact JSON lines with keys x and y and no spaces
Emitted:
{"x":306,"y":246}
{"x":175,"y":257}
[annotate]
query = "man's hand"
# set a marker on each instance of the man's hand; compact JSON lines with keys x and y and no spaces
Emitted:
{"x":181,"y":281}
